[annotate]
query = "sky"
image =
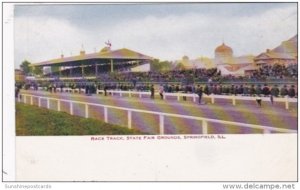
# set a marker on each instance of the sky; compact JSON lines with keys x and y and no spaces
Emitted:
{"x":167,"y":31}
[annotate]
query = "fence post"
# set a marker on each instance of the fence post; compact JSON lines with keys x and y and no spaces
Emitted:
{"x":267,"y":131}
{"x":286,"y":103}
{"x":105,"y":114}
{"x":71,"y":108}
{"x":204,"y":127}
{"x":178,"y":97}
{"x":194,"y":97}
{"x":39,"y":101}
{"x":24,"y":99}
{"x":212,"y":99}
{"x":58,"y":105}
{"x":19,"y":97}
{"x":86,"y":111}
{"x":233,"y":100}
{"x":120,"y":94}
{"x":48,"y":103}
{"x":129,"y":118}
{"x":31,"y":100}
{"x":140,"y":95}
{"x":161,"y":124}
{"x":129,"y":94}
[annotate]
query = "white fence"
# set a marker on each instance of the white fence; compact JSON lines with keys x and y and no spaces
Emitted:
{"x":180,"y":95}
{"x":161,"y":115}
{"x":212,"y":97}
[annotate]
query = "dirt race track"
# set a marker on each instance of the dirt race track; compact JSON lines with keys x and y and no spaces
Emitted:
{"x":245,"y":112}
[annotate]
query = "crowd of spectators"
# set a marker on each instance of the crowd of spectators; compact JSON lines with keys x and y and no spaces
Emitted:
{"x":181,"y":80}
{"x":90,"y":71}
{"x":276,"y":72}
{"x":121,"y":74}
{"x":208,"y":88}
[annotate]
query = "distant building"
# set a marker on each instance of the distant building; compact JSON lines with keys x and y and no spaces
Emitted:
{"x":224,"y":61}
{"x":284,"y":54}
{"x":19,"y":75}
{"x":230,"y":65}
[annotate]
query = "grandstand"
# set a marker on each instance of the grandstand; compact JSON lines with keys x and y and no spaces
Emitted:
{"x":90,"y":65}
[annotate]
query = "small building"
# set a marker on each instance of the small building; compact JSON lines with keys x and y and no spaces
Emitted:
{"x":19,"y":76}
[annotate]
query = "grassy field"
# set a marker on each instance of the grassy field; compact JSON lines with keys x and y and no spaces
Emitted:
{"x":35,"y":121}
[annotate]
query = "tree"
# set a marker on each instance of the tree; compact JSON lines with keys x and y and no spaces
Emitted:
{"x":25,"y":67}
{"x":179,"y":66}
{"x":157,"y":65}
{"x":37,"y":70}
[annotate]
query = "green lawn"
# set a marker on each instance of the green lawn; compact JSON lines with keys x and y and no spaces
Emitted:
{"x":35,"y":121}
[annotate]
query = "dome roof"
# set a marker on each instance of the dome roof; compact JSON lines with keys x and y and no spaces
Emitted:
{"x":223,"y":49}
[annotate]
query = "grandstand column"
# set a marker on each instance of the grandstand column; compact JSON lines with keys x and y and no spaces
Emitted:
{"x":71,"y":71}
{"x":111,"y":66}
{"x":96,"y":70}
{"x":59,"y":68}
{"x":82,"y":70}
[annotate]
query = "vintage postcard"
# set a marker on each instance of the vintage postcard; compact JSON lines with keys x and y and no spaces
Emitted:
{"x":154,"y":92}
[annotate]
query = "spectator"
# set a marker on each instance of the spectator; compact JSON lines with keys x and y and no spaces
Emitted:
{"x":266,"y":90}
{"x":275,"y":91}
{"x":152,"y":91}
{"x":199,"y":92}
{"x":161,"y":91}
{"x":292,"y":92}
{"x":283,"y":91}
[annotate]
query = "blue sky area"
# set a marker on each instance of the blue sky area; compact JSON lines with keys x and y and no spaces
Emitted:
{"x":163,"y":30}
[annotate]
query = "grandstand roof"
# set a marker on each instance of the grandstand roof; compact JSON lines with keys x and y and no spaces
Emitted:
{"x":100,"y":57}
{"x":273,"y":55}
{"x":288,"y":47}
{"x":286,"y":50}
